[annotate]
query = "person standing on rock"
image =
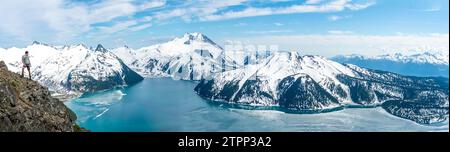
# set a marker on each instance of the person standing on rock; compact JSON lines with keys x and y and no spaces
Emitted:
{"x":26,"y":63}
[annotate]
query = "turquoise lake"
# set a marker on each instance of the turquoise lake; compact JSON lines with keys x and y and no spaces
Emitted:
{"x":164,"y":104}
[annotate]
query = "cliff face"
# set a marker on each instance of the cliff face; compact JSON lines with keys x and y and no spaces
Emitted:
{"x":26,"y":106}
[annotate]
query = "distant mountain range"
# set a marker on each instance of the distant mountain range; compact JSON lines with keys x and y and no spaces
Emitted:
{"x":293,"y":82}
{"x":191,"y":57}
{"x":416,"y":64}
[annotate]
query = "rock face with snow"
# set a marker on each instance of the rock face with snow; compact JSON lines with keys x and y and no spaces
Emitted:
{"x":421,"y":99}
{"x":191,"y":57}
{"x":311,"y":83}
{"x":74,"y":69}
{"x":77,"y":68}
{"x":269,"y":80}
{"x":416,"y":64}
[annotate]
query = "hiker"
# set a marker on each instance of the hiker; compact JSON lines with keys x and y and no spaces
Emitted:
{"x":26,"y":63}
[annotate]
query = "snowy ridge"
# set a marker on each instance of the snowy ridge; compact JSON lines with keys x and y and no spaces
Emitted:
{"x":438,"y":58}
{"x":280,"y":65}
{"x":191,"y":57}
{"x":72,"y":69}
{"x":38,"y":53}
{"x":408,"y":63}
{"x":313,"y":83}
{"x":427,"y":57}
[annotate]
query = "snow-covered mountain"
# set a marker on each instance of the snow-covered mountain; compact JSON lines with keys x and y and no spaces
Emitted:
{"x":312,"y":83}
{"x":75,"y":69}
{"x":38,"y":53}
{"x":428,"y":57}
{"x":191,"y":57}
{"x":414,"y":64}
{"x":288,"y":80}
{"x":269,"y":74}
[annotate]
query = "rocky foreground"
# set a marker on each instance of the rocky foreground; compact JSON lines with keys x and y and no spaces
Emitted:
{"x":26,"y":106}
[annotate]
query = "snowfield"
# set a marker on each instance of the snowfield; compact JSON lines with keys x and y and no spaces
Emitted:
{"x":72,"y":69}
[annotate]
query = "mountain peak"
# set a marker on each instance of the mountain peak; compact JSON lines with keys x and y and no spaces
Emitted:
{"x":100,"y":48}
{"x":189,"y":37}
{"x":75,"y":45}
{"x":195,"y":35}
{"x":39,"y":43}
{"x":36,"y":42}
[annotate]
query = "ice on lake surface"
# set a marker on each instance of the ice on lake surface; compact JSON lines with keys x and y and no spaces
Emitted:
{"x":163,"y":104}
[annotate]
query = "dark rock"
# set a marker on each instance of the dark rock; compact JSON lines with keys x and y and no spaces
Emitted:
{"x":26,"y":106}
{"x":3,"y":66}
{"x":303,"y":93}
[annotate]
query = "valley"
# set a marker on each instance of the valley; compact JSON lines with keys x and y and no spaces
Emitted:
{"x":290,"y":81}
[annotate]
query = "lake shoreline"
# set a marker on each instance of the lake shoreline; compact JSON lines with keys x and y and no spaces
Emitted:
{"x":147,"y":106}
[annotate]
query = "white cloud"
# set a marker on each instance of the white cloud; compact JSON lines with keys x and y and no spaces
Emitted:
{"x":240,"y":24}
{"x":355,"y":6}
{"x":311,"y":2}
{"x":205,"y":10}
{"x":337,"y":17}
{"x":145,"y":19}
{"x":280,"y":0}
{"x":117,"y":27}
{"x":268,"y":32}
{"x":152,"y":4}
{"x":334,"y":18}
{"x":109,"y":10}
{"x":65,"y":20}
{"x":193,"y":9}
{"x":278,"y":24}
{"x":333,"y":6}
{"x":22,"y":18}
{"x":171,"y":14}
{"x":61,"y":20}
{"x":338,"y":44}
{"x":140,"y":27}
{"x":337,"y":32}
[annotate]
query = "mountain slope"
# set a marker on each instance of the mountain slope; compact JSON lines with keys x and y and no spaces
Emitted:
{"x":73,"y":69}
{"x":278,"y":70}
{"x":79,"y":69}
{"x":191,"y":57}
{"x":27,"y":106}
{"x":312,"y":83}
{"x":38,"y":53}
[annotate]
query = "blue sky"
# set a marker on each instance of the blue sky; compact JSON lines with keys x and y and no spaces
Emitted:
{"x":323,"y":27}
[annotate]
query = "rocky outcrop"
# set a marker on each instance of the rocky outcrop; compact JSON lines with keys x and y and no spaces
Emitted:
{"x":26,"y":106}
{"x":3,"y":66}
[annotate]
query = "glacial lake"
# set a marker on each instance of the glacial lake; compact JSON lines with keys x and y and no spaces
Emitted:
{"x":164,"y":104}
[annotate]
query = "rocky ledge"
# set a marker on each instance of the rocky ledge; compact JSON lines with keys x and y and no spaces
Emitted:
{"x":26,"y":106}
